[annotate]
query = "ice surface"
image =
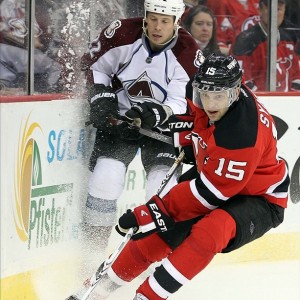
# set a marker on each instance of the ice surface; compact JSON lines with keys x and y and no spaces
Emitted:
{"x":260,"y":281}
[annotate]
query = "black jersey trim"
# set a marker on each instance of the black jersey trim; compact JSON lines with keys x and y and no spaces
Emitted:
{"x":166,"y":281}
{"x":239,"y":126}
{"x":283,"y":187}
{"x":205,"y":193}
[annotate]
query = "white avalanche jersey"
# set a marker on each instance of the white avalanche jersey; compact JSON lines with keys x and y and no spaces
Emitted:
{"x":121,"y":56}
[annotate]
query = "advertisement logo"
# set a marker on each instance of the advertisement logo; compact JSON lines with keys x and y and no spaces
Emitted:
{"x":39,"y":209}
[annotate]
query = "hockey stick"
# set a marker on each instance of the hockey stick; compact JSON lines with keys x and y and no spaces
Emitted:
{"x":89,"y":285}
{"x":149,"y":133}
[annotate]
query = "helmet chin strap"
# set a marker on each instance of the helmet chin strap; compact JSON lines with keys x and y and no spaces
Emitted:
{"x":163,"y":44}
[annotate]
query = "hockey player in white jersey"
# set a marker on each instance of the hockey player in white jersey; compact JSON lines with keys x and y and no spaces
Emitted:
{"x":137,"y":70}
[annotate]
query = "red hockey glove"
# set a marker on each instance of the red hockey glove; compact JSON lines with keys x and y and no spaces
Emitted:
{"x":181,"y":129}
{"x":148,"y":218}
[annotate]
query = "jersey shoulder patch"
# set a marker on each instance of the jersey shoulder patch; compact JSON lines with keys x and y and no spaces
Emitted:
{"x":118,"y":33}
{"x":238,"y":129}
{"x":122,"y":32}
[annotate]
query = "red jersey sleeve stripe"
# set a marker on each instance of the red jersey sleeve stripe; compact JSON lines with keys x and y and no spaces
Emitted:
{"x":212,"y":188}
{"x":202,"y":200}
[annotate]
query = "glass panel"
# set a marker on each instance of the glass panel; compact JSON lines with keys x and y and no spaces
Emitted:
{"x":249,"y":44}
{"x":13,"y":52}
{"x":64,"y":32}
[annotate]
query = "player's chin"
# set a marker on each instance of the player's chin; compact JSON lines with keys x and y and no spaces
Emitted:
{"x":213,"y":115}
{"x":157,"y":40}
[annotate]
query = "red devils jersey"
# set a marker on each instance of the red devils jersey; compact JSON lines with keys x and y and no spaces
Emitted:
{"x":250,"y":49}
{"x":237,"y":155}
{"x":233,"y":17}
{"x":122,"y":52}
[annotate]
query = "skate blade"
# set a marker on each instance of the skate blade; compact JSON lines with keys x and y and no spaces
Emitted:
{"x":72,"y":298}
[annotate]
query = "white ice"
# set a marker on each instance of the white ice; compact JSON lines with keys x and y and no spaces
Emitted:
{"x":276,"y":280}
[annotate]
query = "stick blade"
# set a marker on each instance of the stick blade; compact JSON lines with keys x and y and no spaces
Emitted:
{"x":72,"y":297}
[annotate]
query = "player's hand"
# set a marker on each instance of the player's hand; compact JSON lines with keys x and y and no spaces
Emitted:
{"x":148,"y":114}
{"x":181,"y":130}
{"x":128,"y":132}
{"x":148,"y":218}
{"x":126,"y":221}
{"x":104,"y":105}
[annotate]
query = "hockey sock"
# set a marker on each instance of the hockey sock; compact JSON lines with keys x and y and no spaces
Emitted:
{"x":138,"y":255}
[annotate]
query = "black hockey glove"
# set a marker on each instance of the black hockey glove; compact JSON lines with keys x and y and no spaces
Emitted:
{"x":148,"y":218}
{"x":148,"y":114}
{"x":104,"y":105}
{"x":181,"y":130}
{"x":128,"y":132}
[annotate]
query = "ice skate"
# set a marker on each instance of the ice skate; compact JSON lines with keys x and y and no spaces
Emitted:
{"x":139,"y":296}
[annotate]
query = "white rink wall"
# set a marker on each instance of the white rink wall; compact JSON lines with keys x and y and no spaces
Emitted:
{"x":44,"y":151}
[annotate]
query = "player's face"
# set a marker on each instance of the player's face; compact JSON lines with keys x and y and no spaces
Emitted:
{"x":202,"y":27}
{"x":160,"y":29}
{"x":215,"y":104}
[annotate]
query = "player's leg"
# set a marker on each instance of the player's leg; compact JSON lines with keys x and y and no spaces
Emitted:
{"x":134,"y":259}
{"x":108,"y":164}
{"x":157,"y":158}
{"x":208,"y":237}
{"x":105,"y":186}
{"x":242,"y":220}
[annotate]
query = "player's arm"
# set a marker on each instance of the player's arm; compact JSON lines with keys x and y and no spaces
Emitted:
{"x":244,"y":50}
{"x":225,"y":174}
{"x":191,"y":198}
{"x":181,"y":127}
{"x":101,"y":59}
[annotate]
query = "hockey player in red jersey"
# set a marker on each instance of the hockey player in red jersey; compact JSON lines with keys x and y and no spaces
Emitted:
{"x":137,"y":69}
{"x":234,"y":194}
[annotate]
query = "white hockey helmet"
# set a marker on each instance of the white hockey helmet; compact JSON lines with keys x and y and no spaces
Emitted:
{"x":166,"y":7}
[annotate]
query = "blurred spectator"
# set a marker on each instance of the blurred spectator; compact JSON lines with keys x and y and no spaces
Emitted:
{"x":13,"y":52}
{"x":293,"y":12}
{"x":201,"y":24}
{"x":52,"y":64}
{"x":291,"y":22}
{"x":233,"y":16}
{"x":250,"y":49}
